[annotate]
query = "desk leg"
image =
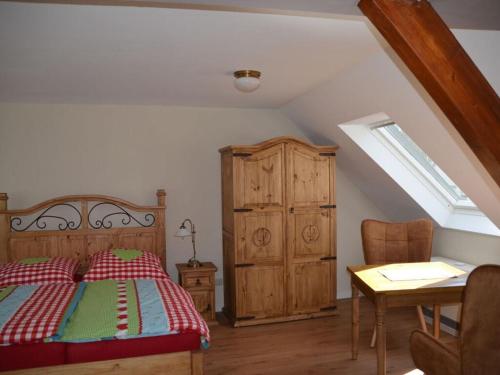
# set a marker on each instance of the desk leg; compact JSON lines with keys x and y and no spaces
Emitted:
{"x":355,"y":321}
{"x":436,"y":322}
{"x":381,"y":353}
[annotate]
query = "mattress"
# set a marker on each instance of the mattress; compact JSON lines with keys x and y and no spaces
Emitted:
{"x":22,"y":356}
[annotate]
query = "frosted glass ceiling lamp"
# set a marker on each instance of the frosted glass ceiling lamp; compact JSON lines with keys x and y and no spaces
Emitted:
{"x":247,"y":80}
{"x":183,"y":232}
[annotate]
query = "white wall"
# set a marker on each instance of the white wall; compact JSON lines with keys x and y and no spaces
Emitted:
{"x":467,"y":247}
{"x":471,"y":248}
{"x":352,"y":207}
{"x":130,"y":151}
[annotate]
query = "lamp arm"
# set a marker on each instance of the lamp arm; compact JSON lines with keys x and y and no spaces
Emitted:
{"x":191,"y":225}
{"x":193,"y":232}
{"x":193,"y":262}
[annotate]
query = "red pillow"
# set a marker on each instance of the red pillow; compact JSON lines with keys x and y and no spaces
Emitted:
{"x":121,"y":264}
{"x":56,"y":270}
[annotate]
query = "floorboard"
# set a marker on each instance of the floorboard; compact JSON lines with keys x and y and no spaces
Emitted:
{"x":316,"y":346}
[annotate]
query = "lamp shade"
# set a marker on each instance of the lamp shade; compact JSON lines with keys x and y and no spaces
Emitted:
{"x":247,"y":84}
{"x":247,"y":80}
{"x":183,"y":232}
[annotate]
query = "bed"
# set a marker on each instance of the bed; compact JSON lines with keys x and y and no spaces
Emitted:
{"x":76,"y":227}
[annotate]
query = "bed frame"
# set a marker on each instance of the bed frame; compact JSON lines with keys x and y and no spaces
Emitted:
{"x":76,"y":226}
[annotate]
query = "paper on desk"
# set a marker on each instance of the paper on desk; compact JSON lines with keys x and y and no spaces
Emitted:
{"x":416,"y":274}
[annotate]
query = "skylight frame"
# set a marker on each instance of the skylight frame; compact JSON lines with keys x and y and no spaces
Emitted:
{"x":434,"y":181}
{"x":432,"y":200}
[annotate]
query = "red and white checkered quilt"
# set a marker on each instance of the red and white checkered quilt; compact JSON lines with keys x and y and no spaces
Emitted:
{"x":33,"y":313}
{"x":181,"y":310}
{"x":54,"y":270}
{"x":105,"y":265}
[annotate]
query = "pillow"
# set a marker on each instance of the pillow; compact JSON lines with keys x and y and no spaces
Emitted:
{"x":56,"y":270}
{"x":122,"y":264}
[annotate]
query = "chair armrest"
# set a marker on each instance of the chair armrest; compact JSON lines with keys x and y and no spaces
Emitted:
{"x":432,"y":356}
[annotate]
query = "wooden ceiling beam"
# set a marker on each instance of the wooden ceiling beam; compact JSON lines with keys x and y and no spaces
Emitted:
{"x":436,"y":58}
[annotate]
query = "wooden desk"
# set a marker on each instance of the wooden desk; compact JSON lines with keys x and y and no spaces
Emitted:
{"x":385,"y":293}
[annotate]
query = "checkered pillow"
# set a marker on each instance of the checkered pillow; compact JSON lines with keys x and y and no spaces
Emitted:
{"x":39,"y":271}
{"x":107,"y":265}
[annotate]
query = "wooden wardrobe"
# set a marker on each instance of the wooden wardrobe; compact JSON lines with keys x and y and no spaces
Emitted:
{"x":279,"y":231}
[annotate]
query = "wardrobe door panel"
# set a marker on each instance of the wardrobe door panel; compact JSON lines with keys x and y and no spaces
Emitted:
{"x":310,"y":182}
{"x":259,"y":178}
{"x":259,"y":237}
{"x":311,"y":287}
{"x":311,"y":234}
{"x":259,"y":292}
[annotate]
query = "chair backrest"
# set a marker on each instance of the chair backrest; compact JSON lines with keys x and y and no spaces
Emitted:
{"x":397,"y":242}
{"x":480,"y":324}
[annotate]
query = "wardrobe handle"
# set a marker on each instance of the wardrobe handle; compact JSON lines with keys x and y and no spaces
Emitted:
{"x":328,"y":258}
{"x":328,"y":206}
{"x":244,"y":265}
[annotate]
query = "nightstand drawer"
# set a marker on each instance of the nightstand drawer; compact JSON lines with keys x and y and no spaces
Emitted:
{"x":196,"y":281}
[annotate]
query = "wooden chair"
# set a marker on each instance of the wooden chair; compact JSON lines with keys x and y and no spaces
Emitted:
{"x":478,"y":349}
{"x":397,"y":243}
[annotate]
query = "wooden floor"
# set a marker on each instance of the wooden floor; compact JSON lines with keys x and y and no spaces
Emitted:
{"x":317,"y":346}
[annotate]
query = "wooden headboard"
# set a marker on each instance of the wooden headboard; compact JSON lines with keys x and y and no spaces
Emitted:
{"x":76,"y":226}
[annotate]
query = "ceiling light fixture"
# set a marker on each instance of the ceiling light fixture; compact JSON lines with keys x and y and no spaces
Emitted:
{"x":247,"y":80}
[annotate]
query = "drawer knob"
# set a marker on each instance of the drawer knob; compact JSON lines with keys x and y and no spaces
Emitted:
{"x":198,"y":282}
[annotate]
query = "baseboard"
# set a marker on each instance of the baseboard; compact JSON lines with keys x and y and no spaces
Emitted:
{"x":447,"y":324}
{"x":344,"y":294}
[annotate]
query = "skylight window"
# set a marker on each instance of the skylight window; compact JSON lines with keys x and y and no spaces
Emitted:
{"x":417,"y":174}
{"x":406,"y":148}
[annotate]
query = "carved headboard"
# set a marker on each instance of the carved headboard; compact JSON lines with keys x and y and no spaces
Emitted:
{"x":76,"y":226}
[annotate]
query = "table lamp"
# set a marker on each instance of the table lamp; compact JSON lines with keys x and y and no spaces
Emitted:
{"x":183,"y":232}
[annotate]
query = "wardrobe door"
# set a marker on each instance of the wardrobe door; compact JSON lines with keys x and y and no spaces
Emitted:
{"x":259,"y":178}
{"x":310,"y":177}
{"x":259,"y":290}
{"x":311,"y":231}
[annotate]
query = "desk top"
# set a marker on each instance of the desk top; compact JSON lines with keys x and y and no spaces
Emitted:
{"x":370,"y":277}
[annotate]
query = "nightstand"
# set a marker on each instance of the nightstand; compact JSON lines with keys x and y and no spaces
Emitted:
{"x":200,"y":284}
